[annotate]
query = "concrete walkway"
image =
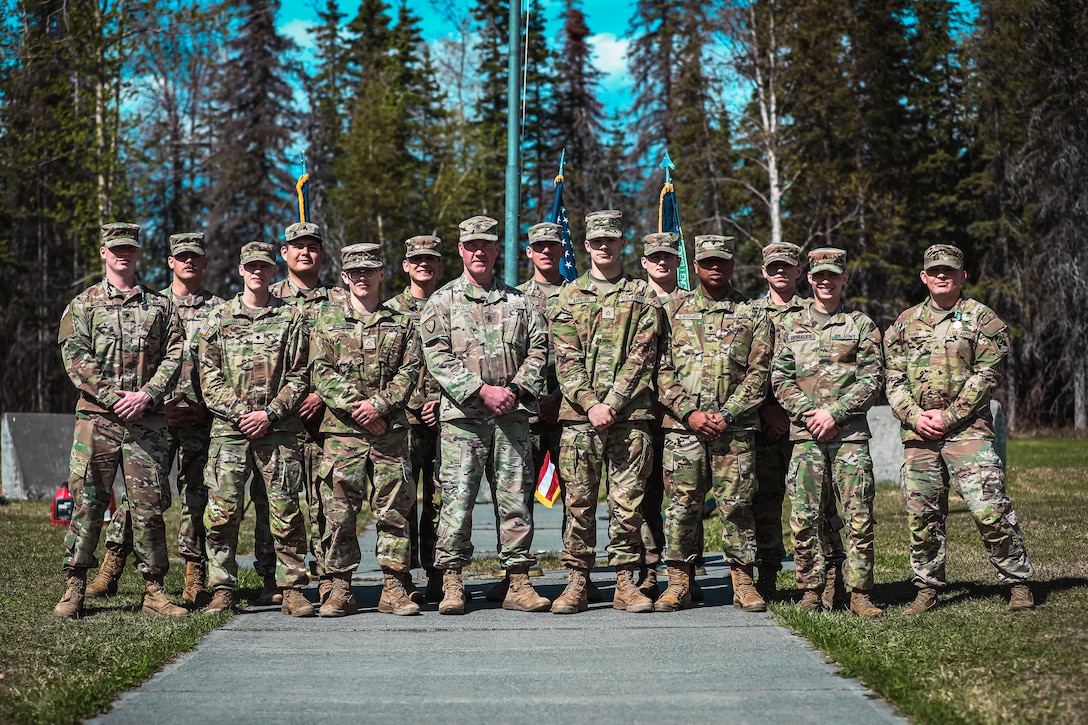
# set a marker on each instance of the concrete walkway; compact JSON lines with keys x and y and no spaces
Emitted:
{"x":491,"y":665}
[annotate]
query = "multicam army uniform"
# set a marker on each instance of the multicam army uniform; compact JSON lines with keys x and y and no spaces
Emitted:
{"x":716,"y":360}
{"x":951,"y":360}
{"x":110,"y":341}
{"x":471,"y":337}
{"x":254,"y":359}
{"x":835,"y":364}
{"x":605,"y":338}
{"x":372,"y":357}
{"x":310,"y":302}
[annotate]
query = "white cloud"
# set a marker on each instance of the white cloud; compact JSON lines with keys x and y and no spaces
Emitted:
{"x":298,"y":31}
{"x":609,"y":53}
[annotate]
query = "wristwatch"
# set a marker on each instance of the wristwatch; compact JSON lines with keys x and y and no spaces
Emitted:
{"x":728,"y":417}
{"x":515,"y":389}
{"x":272,"y":417}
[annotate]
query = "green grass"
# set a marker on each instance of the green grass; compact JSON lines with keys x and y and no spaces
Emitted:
{"x":62,"y":671}
{"x":970,"y":661}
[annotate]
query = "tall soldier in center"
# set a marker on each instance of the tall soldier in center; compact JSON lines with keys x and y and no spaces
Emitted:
{"x":303,"y":250}
{"x":487,"y":345}
{"x":605,"y":328}
{"x":364,"y":362}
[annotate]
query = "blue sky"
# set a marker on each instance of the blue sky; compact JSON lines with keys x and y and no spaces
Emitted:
{"x":608,"y":19}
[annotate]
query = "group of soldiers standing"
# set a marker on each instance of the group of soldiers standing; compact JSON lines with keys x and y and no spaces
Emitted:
{"x":663,"y":395}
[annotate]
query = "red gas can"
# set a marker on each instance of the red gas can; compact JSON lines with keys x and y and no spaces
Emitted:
{"x":62,"y":506}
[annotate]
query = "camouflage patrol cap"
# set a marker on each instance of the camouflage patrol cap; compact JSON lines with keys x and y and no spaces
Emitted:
{"x":943,"y":255}
{"x":298,"y":230}
{"x":120,"y":234}
{"x":257,"y":252}
{"x":827,"y":258}
{"x":545,"y":233}
{"x":781,"y":252}
{"x":187,"y":242}
{"x":422,"y":245}
{"x":478,"y":227}
{"x":361,"y":256}
{"x":603,"y":225}
{"x":661,"y":242}
{"x":708,"y":246}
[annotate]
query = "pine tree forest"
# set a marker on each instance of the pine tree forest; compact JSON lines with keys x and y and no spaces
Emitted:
{"x":878,"y":126}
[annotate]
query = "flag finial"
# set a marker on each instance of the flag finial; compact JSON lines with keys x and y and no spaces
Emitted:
{"x":668,"y":165}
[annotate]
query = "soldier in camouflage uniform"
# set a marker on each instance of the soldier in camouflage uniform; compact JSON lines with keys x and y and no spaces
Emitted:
{"x":712,"y":379}
{"x":661,"y":260}
{"x":122,"y":346}
{"x":782,"y":268}
{"x":604,"y":328}
{"x":828,"y":370}
{"x":944,"y":360}
{"x":364,"y":363}
{"x":304,"y":252}
{"x":487,"y":346}
{"x":423,"y":264}
{"x":189,"y":427}
{"x":253,"y":375}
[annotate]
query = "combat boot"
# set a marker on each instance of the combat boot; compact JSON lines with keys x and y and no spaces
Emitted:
{"x":767,"y":584}
{"x":924,"y":602}
{"x":222,"y":601}
{"x":811,"y":601}
{"x":324,"y":589}
{"x":745,"y":595}
{"x":593,"y":594}
{"x":156,"y":601}
{"x":574,"y":596}
{"x":520,"y":595}
{"x":498,"y":592}
{"x":834,"y":592}
{"x":453,"y":593}
{"x":433,"y":592}
{"x":194,"y":592}
{"x":395,"y":599}
{"x":678,"y":594}
{"x":296,"y":604}
{"x":627,"y":597}
{"x":648,"y":582}
{"x":270,"y":593}
{"x":862,"y":605}
{"x":1020,"y":598}
{"x":693,"y":586}
{"x":70,"y":605}
{"x":410,"y":586}
{"x":105,"y":582}
{"x":340,"y":601}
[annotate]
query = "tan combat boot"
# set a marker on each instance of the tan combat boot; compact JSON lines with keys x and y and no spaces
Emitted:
{"x":834,"y":591}
{"x":520,"y":595}
{"x":156,"y":601}
{"x":647,"y":583}
{"x":324,"y":589}
{"x":194,"y":592}
{"x":395,"y":599}
{"x":296,"y":604}
{"x":745,"y":595}
{"x":498,"y":592}
{"x":270,"y":593}
{"x":924,"y":602}
{"x":433,"y":592}
{"x":105,"y":582}
{"x":222,"y":601}
{"x":811,"y":601}
{"x":341,"y":601}
{"x":453,"y":593}
{"x":693,"y":586}
{"x":767,"y":584}
{"x":678,"y":594}
{"x":70,"y":605}
{"x":1020,"y":598}
{"x":862,"y":605}
{"x":627,"y":597}
{"x":574,"y":597}
{"x":410,"y":587}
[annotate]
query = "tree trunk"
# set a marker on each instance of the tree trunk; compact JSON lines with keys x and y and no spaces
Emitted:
{"x":1080,"y":413}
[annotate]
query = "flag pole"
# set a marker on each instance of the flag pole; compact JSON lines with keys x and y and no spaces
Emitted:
{"x":513,"y":143}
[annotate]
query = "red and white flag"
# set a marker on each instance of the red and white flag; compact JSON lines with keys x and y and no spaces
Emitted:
{"x":547,"y":483}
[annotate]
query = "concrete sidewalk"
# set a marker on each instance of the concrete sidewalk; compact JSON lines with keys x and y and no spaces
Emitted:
{"x":491,"y":665}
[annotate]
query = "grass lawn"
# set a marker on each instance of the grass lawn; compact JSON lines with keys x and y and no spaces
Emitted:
{"x":970,"y":661}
